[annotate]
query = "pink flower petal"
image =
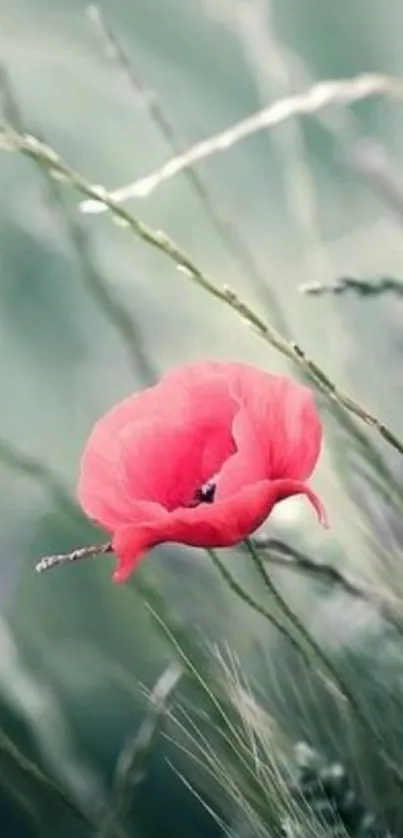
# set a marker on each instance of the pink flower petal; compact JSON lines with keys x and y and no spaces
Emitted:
{"x":256,"y":435}
{"x":131,"y":541}
{"x":221,"y":524}
{"x":282,"y":416}
{"x":168,"y":463}
{"x":99,"y":487}
{"x":248,"y":464}
{"x":103,"y":490}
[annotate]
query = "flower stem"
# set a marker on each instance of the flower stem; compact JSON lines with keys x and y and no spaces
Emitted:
{"x":326,"y":664}
{"x":253,"y":603}
{"x":278,"y":553}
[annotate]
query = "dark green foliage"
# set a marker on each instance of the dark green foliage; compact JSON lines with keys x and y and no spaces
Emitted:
{"x":330,"y":799}
{"x":357,"y":286}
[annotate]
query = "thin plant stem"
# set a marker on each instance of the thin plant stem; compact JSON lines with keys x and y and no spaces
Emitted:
{"x":132,"y":762}
{"x":275,"y":553}
{"x":253,"y":603}
{"x":317,"y":97}
{"x":99,"y":289}
{"x":57,"y":559}
{"x":309,"y":643}
{"x":388,"y":484}
{"x":235,"y":245}
{"x":282,"y":555}
{"x":31,"y":147}
{"x":19,"y":461}
{"x":236,"y":743}
{"x":8,"y":748}
{"x":322,"y":659}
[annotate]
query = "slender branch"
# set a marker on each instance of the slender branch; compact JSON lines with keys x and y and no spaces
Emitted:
{"x":320,"y":95}
{"x":57,"y":559}
{"x":325,"y":662}
{"x":382,"y":474}
{"x":32,"y":147}
{"x":360,"y":287}
{"x":278,"y":553}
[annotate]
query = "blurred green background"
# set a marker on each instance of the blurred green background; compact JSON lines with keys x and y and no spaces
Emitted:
{"x":291,"y":210}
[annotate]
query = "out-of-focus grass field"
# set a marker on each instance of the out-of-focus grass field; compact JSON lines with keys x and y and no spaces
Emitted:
{"x":281,"y":209}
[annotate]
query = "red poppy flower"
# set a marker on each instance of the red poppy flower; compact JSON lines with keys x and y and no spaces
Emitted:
{"x":201,"y":458}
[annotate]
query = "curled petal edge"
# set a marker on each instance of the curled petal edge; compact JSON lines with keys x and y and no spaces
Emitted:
{"x":222,"y":524}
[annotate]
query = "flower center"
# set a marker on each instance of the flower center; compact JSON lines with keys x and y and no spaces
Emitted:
{"x":204,"y":494}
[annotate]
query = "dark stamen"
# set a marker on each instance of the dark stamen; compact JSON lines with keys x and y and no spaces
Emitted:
{"x":205,"y":494}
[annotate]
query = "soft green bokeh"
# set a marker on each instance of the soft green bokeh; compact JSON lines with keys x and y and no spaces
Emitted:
{"x":77,"y":645}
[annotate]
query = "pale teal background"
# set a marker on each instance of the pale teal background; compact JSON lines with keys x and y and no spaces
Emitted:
{"x":304,"y":215}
